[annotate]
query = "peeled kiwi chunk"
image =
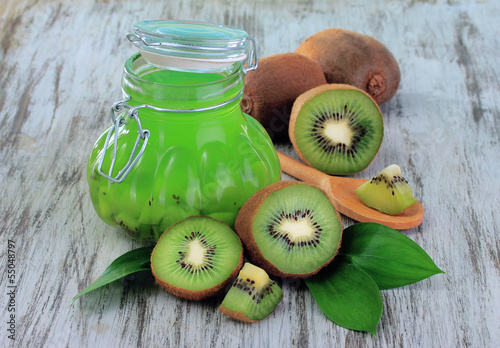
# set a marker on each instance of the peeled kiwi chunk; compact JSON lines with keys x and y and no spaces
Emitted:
{"x":388,"y":191}
{"x":197,"y":257}
{"x":336,"y":128}
{"x":290,"y":229}
{"x":253,"y":296}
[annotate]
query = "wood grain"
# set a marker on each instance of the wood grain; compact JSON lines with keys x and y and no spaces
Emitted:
{"x":60,"y":68}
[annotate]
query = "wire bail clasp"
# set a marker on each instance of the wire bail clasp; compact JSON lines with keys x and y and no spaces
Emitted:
{"x":253,"y":59}
{"x":143,"y":134}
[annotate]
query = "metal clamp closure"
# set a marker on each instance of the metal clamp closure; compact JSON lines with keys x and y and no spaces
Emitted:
{"x":143,"y":134}
{"x":253,"y":59}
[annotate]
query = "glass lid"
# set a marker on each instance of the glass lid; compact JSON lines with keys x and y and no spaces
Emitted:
{"x":189,"y":45}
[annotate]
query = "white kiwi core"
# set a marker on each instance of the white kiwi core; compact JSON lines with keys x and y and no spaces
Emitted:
{"x":338,"y":132}
{"x":390,"y":171}
{"x":196,"y":253}
{"x":297,"y":230}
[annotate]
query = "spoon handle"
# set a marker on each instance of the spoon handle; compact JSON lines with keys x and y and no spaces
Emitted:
{"x":303,"y":172}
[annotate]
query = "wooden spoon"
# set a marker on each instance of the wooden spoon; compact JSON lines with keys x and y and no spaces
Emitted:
{"x":340,"y":191}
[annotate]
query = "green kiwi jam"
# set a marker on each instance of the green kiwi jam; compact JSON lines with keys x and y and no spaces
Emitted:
{"x":194,"y":163}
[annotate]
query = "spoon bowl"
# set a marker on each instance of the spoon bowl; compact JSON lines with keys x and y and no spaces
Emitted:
{"x":341,"y":192}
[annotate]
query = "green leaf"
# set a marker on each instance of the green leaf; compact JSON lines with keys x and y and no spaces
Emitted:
{"x":388,"y":256}
{"x":131,"y":262}
{"x":347,"y":295}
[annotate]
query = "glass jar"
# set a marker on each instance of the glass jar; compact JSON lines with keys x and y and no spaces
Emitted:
{"x":179,"y":144}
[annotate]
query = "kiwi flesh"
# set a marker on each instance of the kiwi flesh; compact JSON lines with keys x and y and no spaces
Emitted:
{"x":336,"y":128}
{"x":197,"y":258}
{"x":290,"y":229}
{"x":388,"y":191}
{"x":253,"y":296}
{"x":354,"y":59}
{"x":271,"y":89}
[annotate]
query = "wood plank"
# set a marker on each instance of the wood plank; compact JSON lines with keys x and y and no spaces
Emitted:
{"x":60,"y":68}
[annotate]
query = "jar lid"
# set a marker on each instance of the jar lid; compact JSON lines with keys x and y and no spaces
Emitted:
{"x":189,"y":45}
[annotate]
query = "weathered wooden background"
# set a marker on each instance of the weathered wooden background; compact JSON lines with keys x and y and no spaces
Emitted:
{"x":60,"y":68}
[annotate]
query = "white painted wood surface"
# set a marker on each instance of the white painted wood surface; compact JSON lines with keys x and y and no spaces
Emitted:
{"x":60,"y":68}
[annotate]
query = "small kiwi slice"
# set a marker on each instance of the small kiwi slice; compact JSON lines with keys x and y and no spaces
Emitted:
{"x":388,"y":192}
{"x":253,"y":296}
{"x":197,"y":257}
{"x":290,"y":229}
{"x":336,"y":128}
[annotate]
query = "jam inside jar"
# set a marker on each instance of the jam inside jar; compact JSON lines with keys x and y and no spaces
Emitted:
{"x":179,"y":144}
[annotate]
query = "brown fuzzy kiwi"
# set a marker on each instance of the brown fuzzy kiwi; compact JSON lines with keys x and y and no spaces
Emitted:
{"x":276,"y":258}
{"x":354,"y":59}
{"x":271,"y":89}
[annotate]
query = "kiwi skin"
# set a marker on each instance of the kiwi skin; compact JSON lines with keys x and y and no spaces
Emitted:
{"x":304,"y":98}
{"x":243,"y":226}
{"x":271,"y":89}
{"x":197,"y":295}
{"x":237,"y":315}
{"x":355,"y":59}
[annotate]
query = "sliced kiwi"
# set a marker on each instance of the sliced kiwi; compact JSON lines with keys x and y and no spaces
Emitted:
{"x":388,"y":192}
{"x":197,"y":257}
{"x":337,"y":129}
{"x":290,"y":229}
{"x":253,"y":295}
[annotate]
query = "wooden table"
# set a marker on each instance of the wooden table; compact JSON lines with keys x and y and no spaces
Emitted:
{"x":60,"y":71}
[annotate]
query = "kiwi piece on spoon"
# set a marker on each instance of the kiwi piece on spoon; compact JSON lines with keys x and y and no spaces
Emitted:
{"x":290,"y":229}
{"x":197,"y":258}
{"x":253,"y":296}
{"x":336,"y":128}
{"x":387,"y":192}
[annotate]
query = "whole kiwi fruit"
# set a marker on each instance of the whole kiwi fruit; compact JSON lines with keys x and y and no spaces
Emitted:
{"x":354,"y":59}
{"x":290,"y":229}
{"x":271,"y":89}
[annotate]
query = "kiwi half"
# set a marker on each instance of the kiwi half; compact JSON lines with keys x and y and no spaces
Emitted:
{"x":197,"y":257}
{"x":388,"y":191}
{"x":336,"y":128}
{"x":290,"y":229}
{"x":253,"y":295}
